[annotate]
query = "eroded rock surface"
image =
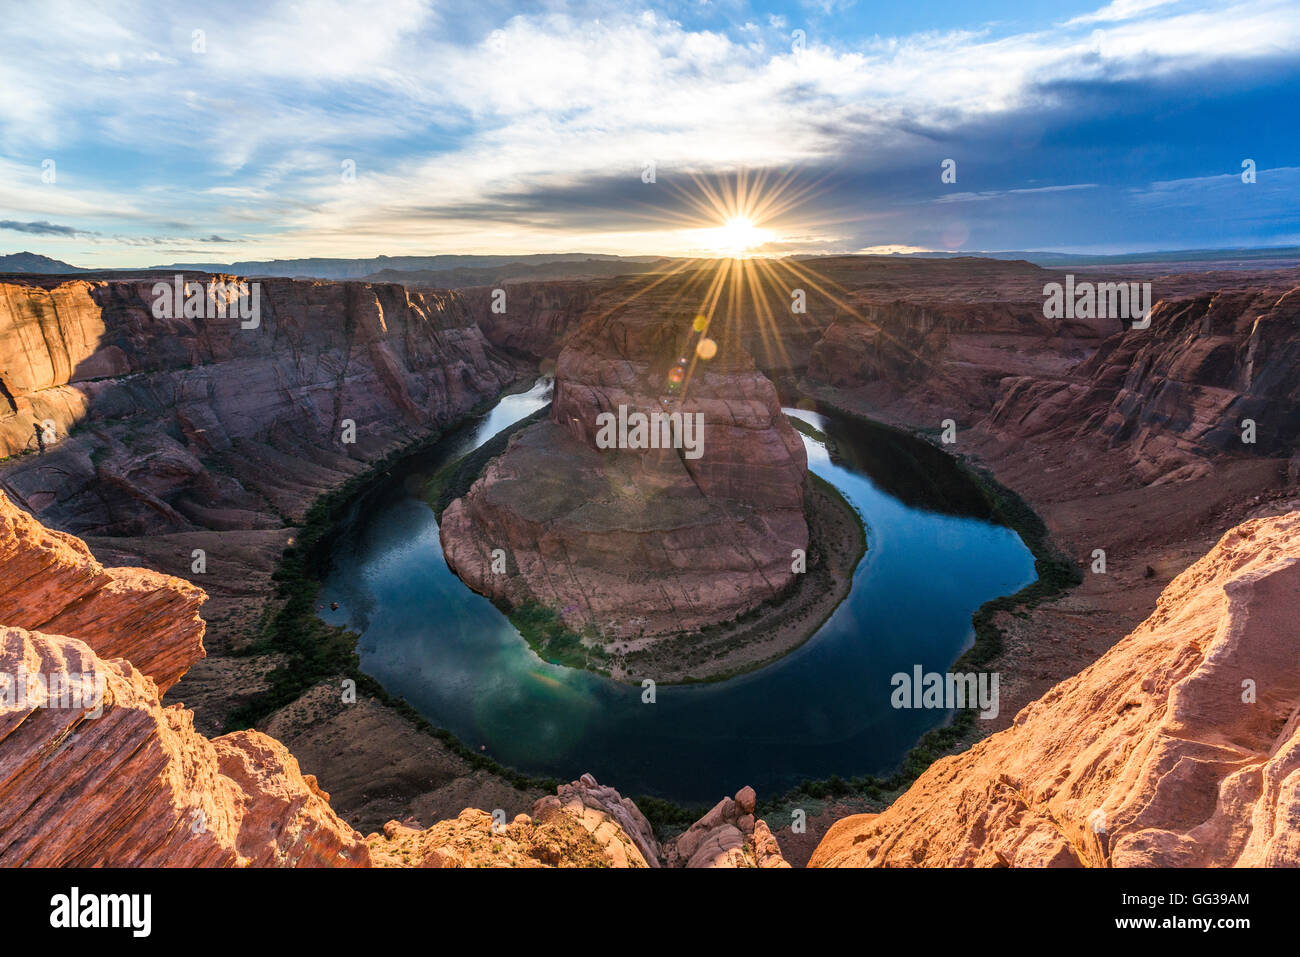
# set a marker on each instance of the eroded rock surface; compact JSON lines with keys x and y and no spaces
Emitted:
{"x":631,"y":544}
{"x":728,"y":836}
{"x":94,"y":771}
{"x":582,"y":825}
{"x":172,"y":425}
{"x":1177,"y":396}
{"x":1179,"y":747}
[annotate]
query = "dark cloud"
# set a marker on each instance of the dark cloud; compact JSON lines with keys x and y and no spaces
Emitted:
{"x":42,"y":228}
{"x":880,"y":182}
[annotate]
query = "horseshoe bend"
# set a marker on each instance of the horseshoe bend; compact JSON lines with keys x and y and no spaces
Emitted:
{"x":771,"y":434}
{"x":1106,"y":689}
{"x":641,"y":543}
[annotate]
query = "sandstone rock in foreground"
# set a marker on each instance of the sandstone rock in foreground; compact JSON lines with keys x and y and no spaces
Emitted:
{"x":1178,"y":748}
{"x":50,"y":581}
{"x":729,"y":836}
{"x":102,"y":774}
{"x":641,"y":543}
{"x":137,"y":786}
{"x":582,"y":825}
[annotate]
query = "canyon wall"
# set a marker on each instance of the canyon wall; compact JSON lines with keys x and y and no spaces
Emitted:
{"x":1170,"y":398}
{"x":168,"y":425}
{"x":532,"y":318}
{"x":754,"y":300}
{"x":1180,"y":747}
{"x":1176,"y":395}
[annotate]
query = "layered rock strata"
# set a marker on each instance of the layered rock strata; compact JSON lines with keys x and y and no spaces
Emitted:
{"x":155,"y":425}
{"x":1180,"y":747}
{"x":1178,"y":395}
{"x":631,"y":543}
{"x":94,"y":771}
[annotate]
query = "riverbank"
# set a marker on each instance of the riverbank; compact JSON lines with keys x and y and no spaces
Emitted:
{"x":767,"y":633}
{"x":376,"y":755}
{"x":318,"y":704}
{"x":1056,"y":575}
{"x":1149,"y":533}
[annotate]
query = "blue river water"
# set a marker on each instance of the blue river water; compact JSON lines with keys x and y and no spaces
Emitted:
{"x":824,"y":709}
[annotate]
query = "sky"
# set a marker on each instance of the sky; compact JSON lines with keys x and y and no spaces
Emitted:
{"x":146,"y":133}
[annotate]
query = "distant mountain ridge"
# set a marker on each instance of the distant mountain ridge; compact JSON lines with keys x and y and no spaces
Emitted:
{"x":34,"y":263}
{"x":458,"y":271}
{"x":1245,"y":257}
{"x":318,"y":268}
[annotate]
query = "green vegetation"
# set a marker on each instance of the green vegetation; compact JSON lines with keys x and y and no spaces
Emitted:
{"x":454,"y":479}
{"x":314,"y":651}
{"x":541,"y":627}
{"x":1057,"y":573}
{"x":814,"y":433}
{"x":665,"y":815}
{"x":546,"y":634}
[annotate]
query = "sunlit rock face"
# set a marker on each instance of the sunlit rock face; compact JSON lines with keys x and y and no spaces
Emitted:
{"x":1178,"y":748}
{"x":94,"y":770}
{"x":634,"y":541}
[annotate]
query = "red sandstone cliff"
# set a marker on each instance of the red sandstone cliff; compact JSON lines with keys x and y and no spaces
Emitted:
{"x":1169,"y":399}
{"x":1179,"y":747}
{"x":170,"y":425}
{"x":108,"y":776}
{"x":1176,"y":395}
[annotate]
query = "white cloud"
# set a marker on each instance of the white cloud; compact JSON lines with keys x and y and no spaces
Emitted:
{"x":1119,"y":10}
{"x":287,"y":90}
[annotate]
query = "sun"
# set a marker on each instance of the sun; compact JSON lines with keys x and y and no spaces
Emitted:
{"x":737,"y":238}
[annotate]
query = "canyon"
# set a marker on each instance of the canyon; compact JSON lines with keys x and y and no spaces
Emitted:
{"x":177,"y":435}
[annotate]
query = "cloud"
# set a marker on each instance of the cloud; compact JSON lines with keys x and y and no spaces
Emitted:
{"x":477,"y":127}
{"x":1000,"y":193}
{"x":41,"y":228}
{"x":1119,"y":10}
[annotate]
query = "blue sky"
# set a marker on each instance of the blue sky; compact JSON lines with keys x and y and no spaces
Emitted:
{"x":492,"y":127}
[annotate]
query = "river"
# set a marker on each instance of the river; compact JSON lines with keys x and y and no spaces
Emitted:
{"x":824,"y":709}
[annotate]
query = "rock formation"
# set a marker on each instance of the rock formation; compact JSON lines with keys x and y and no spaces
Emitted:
{"x":1177,"y":395}
{"x":1180,"y":747}
{"x":728,"y":836}
{"x":635,"y":543}
{"x":170,"y":425}
{"x":582,"y":825}
{"x":1171,"y":398}
{"x":534,"y":318}
{"x":174,"y":434}
{"x":53,"y":584}
{"x":94,"y":771}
